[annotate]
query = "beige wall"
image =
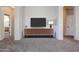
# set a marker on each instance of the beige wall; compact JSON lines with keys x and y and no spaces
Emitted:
{"x":48,"y":12}
{"x":77,"y":22}
{"x":18,"y":23}
{"x":64,"y":21}
{"x":59,"y":26}
{"x":1,"y":25}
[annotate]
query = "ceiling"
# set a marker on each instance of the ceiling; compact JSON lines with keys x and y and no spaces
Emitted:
{"x":7,"y":10}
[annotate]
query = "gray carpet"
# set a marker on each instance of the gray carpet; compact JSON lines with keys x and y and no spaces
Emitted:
{"x":41,"y":45}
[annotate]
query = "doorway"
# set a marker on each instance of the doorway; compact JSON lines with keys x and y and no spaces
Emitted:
{"x":7,"y":26}
{"x":8,"y":13}
{"x":69,"y":22}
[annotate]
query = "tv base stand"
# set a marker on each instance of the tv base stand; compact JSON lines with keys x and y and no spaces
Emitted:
{"x":38,"y":32}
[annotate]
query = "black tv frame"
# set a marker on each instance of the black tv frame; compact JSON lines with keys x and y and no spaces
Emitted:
{"x":38,"y":22}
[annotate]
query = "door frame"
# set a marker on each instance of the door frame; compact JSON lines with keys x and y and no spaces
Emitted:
{"x":64,"y":21}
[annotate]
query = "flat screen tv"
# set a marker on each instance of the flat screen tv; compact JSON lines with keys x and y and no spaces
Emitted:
{"x":38,"y":22}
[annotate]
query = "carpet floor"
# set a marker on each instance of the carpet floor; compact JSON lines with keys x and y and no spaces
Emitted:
{"x":41,"y":45}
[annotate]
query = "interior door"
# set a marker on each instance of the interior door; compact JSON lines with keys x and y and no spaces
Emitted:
{"x":69,"y":25}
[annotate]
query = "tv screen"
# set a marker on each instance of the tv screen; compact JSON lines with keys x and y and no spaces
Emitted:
{"x":38,"y":22}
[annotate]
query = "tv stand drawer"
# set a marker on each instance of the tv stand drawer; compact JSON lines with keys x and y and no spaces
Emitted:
{"x":38,"y":32}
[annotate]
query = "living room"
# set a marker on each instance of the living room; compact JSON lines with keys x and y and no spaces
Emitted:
{"x":25,"y":22}
{"x":39,"y":29}
{"x":53,"y":16}
{"x":44,"y":15}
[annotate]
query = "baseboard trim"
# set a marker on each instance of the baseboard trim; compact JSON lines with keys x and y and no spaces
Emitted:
{"x":69,"y":36}
{"x":39,"y":36}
